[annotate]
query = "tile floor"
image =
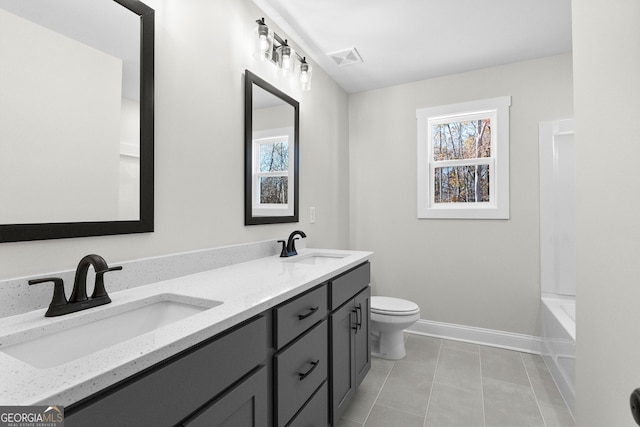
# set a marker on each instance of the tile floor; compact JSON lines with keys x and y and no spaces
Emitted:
{"x":448,"y":383}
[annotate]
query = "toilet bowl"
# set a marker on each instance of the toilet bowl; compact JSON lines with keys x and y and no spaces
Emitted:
{"x":389,"y":317}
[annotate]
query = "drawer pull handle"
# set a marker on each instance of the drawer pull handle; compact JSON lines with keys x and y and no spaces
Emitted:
{"x":311,"y":311}
{"x":359,"y":316}
{"x":304,"y":375}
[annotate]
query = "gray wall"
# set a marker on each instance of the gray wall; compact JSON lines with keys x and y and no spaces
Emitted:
{"x":606,"y":44}
{"x":202,"y":50}
{"x":481,"y":273}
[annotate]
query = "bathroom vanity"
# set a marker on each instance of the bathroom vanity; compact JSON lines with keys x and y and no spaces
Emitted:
{"x":286,"y":344}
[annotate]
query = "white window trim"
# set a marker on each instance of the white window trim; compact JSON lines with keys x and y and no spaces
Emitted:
{"x":498,"y":208}
{"x":272,"y":209}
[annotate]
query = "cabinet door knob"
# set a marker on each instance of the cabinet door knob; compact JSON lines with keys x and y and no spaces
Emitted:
{"x":304,"y":375}
{"x":311,"y":311}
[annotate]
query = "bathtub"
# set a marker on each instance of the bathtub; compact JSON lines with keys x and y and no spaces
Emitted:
{"x":558,"y":314}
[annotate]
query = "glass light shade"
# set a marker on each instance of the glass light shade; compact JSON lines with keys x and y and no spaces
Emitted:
{"x":305,"y":71}
{"x":286,"y":59}
{"x":263,"y":40}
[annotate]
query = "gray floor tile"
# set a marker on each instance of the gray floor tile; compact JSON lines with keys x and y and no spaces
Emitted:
{"x":444,"y":383}
{"x":555,"y":416}
{"x":382,"y":364}
{"x":422,"y":349}
{"x":543,"y":385}
{"x":407,"y":388}
{"x":459,"y":345}
{"x":503,"y":365}
{"x":363,"y":401}
{"x":454,"y":407}
{"x":459,"y":368}
{"x":347,"y":423}
{"x":383,"y":416}
{"x":509,"y":405}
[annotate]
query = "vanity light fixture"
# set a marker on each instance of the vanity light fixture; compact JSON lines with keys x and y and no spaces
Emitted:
{"x":284,"y":58}
{"x":269,"y":45}
{"x":263,"y":36}
{"x":305,"y":75}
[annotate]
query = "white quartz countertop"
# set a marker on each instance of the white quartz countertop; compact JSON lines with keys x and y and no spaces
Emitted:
{"x":245,"y":290}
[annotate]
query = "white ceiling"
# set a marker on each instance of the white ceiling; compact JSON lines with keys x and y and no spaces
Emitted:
{"x":408,"y":40}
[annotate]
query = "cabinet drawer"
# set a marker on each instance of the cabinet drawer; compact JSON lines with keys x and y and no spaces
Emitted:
{"x":316,"y":411}
{"x":245,"y":404}
{"x":344,"y":287}
{"x":299,"y":370}
{"x":296,"y":316}
{"x":167,"y":393}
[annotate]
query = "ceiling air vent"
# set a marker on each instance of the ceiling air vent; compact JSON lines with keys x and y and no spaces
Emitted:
{"x":345,"y":57}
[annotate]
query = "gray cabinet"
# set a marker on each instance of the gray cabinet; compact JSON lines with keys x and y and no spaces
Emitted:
{"x":315,"y":413}
{"x":297,"y":364}
{"x":301,"y":362}
{"x":362,"y":356}
{"x":171,"y":391}
{"x":245,"y":404}
{"x":350,"y":346}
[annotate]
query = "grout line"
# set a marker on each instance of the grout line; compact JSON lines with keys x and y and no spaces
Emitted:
{"x":535,"y":395}
{"x":484,"y":414}
{"x":378,"y":395}
{"x":433,"y":381}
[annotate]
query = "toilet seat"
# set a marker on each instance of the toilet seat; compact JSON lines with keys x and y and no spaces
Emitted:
{"x":393,"y":306}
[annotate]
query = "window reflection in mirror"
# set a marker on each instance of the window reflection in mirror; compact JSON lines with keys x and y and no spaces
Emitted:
{"x":271,"y":143}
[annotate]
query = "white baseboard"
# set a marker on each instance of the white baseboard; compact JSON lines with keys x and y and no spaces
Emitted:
{"x":490,"y":337}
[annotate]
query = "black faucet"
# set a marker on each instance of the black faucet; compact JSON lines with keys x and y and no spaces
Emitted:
{"x":79,"y":300}
{"x":290,"y":248}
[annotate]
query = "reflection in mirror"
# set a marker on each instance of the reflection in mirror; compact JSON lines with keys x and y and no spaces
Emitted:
{"x":76,"y":118}
{"x":271,"y":154}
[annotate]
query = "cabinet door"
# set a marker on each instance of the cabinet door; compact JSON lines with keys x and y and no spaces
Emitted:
{"x":243,"y":405}
{"x":362,"y":343}
{"x":172,"y":390}
{"x":342,"y":355}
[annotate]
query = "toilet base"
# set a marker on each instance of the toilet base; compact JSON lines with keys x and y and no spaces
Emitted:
{"x":388,"y":345}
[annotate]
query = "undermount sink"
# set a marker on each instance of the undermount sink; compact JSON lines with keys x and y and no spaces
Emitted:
{"x":316,"y":258}
{"x":62,"y":342}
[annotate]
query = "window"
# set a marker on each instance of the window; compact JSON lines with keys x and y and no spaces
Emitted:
{"x":272,"y":172}
{"x":463,"y":160}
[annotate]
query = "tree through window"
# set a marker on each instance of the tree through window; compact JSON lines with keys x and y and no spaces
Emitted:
{"x":274,"y":169}
{"x":273,"y":181}
{"x":456,"y":179}
{"x":463,"y":153}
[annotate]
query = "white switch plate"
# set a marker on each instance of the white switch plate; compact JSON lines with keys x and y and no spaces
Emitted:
{"x":312,"y":215}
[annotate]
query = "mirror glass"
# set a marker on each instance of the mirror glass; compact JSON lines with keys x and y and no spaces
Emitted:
{"x":76,"y":118}
{"x":271,"y":154}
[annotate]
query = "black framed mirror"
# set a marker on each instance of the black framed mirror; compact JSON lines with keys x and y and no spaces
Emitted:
{"x":77,"y":120}
{"x":271,"y":168}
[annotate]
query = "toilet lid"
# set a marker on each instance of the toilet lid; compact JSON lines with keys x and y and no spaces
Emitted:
{"x":390,"y":305}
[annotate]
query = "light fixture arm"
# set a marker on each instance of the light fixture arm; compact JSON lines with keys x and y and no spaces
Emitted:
{"x":280,"y":40}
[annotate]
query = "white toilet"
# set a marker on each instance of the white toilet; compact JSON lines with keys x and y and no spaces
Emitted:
{"x":389,"y":316}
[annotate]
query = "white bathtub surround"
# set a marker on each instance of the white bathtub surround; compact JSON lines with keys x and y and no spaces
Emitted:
{"x":559,"y":343}
{"x":558,"y":253}
{"x":18,"y":297}
{"x":557,"y":211}
{"x":245,"y":289}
